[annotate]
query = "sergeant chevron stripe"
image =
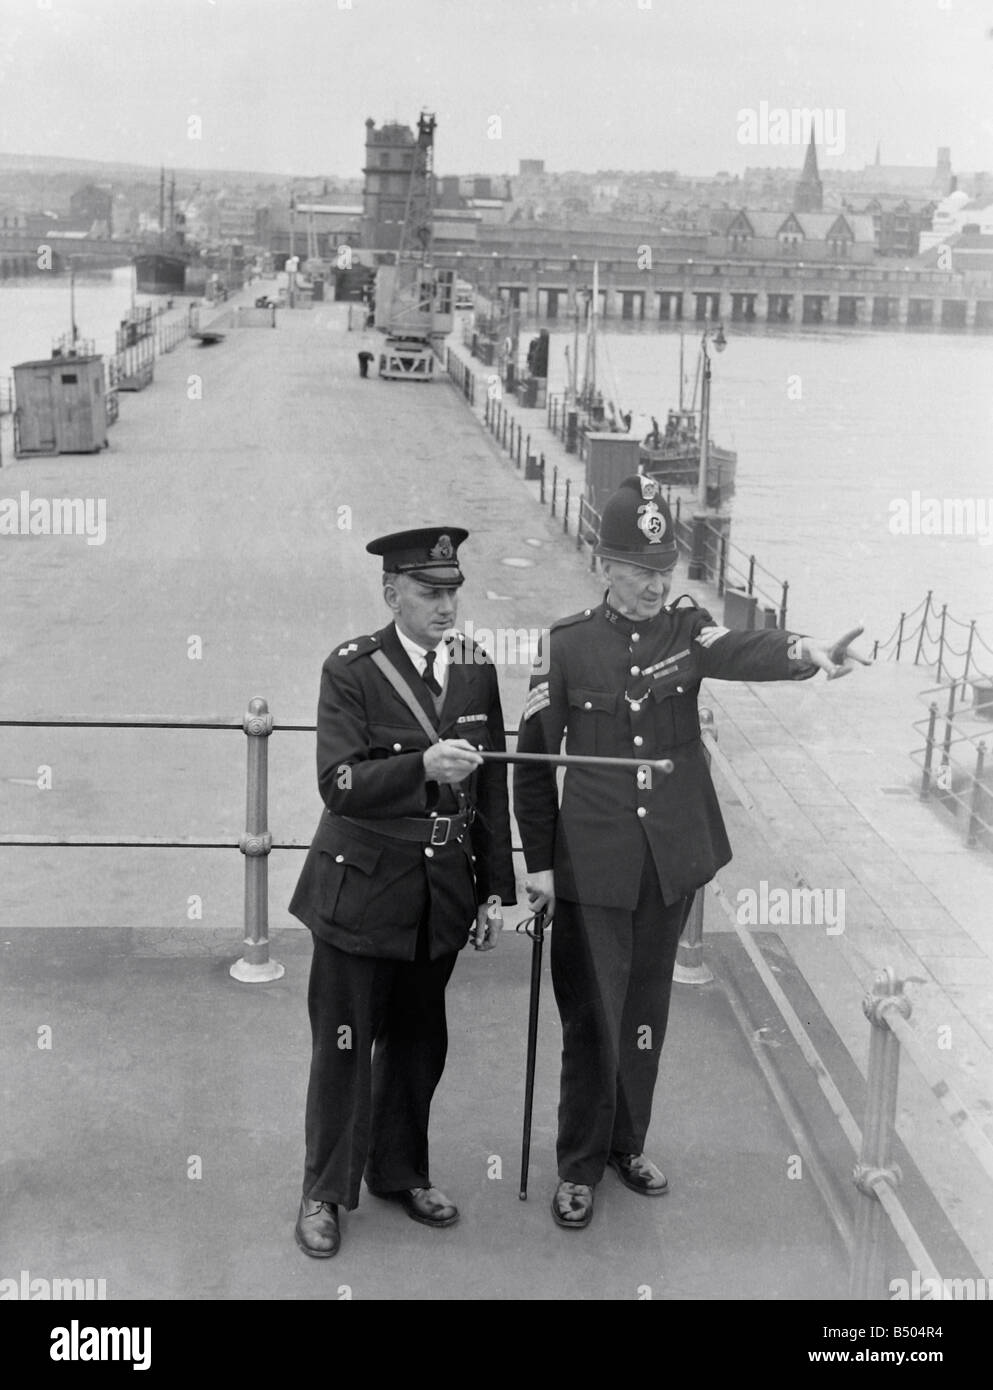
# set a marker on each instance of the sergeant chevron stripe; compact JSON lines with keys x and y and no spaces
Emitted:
{"x":538,"y":699}
{"x":707,"y":636}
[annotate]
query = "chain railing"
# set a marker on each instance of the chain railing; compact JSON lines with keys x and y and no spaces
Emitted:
{"x":924,"y":636}
{"x":953,"y":760}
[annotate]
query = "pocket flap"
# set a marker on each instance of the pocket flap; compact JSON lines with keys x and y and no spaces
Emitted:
{"x":602,"y":700}
{"x":356,"y":856}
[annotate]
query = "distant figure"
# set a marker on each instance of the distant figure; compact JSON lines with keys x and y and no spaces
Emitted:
{"x":365,"y":357}
{"x":626,"y":421}
{"x":655,"y":436}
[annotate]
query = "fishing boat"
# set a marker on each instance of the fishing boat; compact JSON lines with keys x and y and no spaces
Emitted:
{"x":672,"y":455}
{"x":162,"y":270}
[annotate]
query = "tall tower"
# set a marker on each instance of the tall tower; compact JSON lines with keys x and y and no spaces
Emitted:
{"x":808,"y":196}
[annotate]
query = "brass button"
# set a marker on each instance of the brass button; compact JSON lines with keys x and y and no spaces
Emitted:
{"x":638,"y":740}
{"x":434,"y":815}
{"x":636,"y":706}
{"x":339,"y":859}
{"x":636,"y":670}
{"x":679,"y":690}
{"x":636,"y":637}
{"x":429,"y":853}
{"x":587,"y":705}
{"x":642,"y":811}
{"x":397,"y":747}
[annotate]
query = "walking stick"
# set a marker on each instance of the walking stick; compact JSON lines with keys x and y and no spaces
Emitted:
{"x":536,"y":931}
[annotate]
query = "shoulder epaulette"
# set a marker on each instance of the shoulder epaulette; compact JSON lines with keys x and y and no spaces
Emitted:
{"x":694,"y":609}
{"x":582,"y":617}
{"x":358,"y":646}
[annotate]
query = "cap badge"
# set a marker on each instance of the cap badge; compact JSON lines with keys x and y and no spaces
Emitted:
{"x":443,"y":550}
{"x":651,"y":522}
{"x":649,"y":488}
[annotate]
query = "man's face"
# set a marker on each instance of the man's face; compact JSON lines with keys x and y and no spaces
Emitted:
{"x":637,"y":592}
{"x":422,"y":612}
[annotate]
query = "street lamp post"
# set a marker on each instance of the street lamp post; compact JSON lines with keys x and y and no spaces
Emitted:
{"x":720,"y":343}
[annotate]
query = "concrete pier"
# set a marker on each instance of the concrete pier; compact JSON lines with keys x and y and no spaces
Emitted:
{"x":240,"y":490}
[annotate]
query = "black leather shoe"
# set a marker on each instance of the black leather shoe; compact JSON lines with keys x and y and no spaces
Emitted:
{"x":317,"y":1231}
{"x":426,"y":1205}
{"x":572,"y":1205}
{"x":639,"y":1173}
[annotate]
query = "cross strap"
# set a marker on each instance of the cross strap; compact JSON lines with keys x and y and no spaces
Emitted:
{"x":404,"y":691}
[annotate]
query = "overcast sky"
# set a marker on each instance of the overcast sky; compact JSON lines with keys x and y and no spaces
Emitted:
{"x":285,"y":85}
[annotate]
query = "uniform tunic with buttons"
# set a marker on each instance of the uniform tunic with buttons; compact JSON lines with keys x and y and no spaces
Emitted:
{"x":361,"y":890}
{"x":621,"y":687}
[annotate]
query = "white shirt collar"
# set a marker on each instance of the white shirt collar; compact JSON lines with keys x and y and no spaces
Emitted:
{"x":416,"y":652}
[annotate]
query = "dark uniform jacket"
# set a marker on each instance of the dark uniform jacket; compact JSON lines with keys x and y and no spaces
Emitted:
{"x":361,"y":890}
{"x":623,"y":688}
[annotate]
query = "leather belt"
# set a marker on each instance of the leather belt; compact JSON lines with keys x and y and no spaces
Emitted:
{"x":425,"y":830}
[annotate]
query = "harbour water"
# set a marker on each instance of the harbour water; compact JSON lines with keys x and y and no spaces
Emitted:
{"x":833,"y":432}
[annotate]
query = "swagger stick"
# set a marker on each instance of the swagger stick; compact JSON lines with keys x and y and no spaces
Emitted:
{"x":537,"y":935}
{"x":576,"y":760}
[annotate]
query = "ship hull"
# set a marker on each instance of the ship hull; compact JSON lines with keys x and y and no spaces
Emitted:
{"x":158,"y":273}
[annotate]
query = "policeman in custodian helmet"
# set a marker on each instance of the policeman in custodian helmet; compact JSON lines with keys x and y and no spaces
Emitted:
{"x":621,"y":857}
{"x":401,"y":871}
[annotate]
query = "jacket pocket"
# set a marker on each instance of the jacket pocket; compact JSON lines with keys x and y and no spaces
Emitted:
{"x":346,"y":881}
{"x":591,"y":719}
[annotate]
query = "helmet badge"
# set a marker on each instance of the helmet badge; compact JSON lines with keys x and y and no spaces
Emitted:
{"x":651,"y":523}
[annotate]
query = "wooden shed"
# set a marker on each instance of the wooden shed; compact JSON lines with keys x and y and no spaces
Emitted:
{"x":60,"y":406}
{"x":611,"y":458}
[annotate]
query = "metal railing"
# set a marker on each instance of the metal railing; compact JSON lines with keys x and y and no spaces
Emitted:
{"x":877,"y":1178}
{"x":954,"y":770}
{"x":933,"y":646}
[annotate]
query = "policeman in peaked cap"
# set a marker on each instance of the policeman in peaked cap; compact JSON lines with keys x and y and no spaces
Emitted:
{"x":621,"y":856}
{"x":411,"y":857}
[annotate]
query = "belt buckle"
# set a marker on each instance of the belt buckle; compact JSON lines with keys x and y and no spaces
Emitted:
{"x":445,"y":821}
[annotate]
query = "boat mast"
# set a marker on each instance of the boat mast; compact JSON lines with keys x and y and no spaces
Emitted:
{"x":682,"y":338}
{"x":161,"y":205}
{"x":594,"y":306}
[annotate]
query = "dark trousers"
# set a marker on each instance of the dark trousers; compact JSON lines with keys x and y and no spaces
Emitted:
{"x":612,"y":976}
{"x":369,"y":1113}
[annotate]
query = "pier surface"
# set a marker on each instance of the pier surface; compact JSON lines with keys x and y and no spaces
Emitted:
{"x":240,"y":491}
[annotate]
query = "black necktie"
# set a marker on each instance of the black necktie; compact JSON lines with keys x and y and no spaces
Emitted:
{"x":430,"y":680}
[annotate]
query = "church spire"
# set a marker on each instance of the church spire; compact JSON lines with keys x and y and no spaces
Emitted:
{"x":808,"y":196}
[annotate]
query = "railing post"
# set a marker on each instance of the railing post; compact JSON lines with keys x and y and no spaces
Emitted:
{"x":899,"y":635}
{"x":722,"y":565}
{"x":486,"y":412}
{"x":565,"y":507}
{"x":690,"y":967}
{"x":929,"y":751}
{"x":972,"y":838}
{"x":519,"y":433}
{"x":751,"y":574}
{"x":782,"y":605}
{"x":920,"y":640}
{"x":579,"y":525}
{"x":541,"y":479}
{"x":868,"y":1278}
{"x":968,"y":649}
{"x":555,"y":487}
{"x":946,"y":748}
{"x":941,"y":639}
{"x":255,"y":843}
